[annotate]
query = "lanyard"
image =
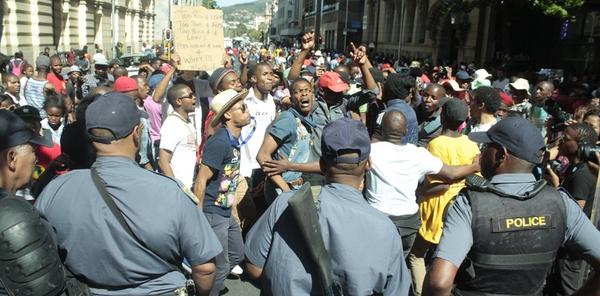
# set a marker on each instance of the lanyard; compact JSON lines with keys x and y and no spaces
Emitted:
{"x":235,"y":142}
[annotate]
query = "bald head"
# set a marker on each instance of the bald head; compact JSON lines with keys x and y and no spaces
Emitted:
{"x":393,"y":126}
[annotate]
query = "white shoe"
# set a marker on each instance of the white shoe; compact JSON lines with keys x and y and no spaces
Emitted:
{"x":237,"y":270}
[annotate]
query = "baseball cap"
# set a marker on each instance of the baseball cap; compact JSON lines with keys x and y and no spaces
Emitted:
{"x":477,"y":83}
{"x":155,"y":80}
{"x":455,"y":110}
{"x":453,"y":84}
{"x":345,"y":136}
{"x":333,"y":81}
{"x":14,"y":132}
{"x":115,"y":112}
{"x":28,"y":112}
{"x":518,"y":135}
{"x":521,"y":84}
{"x":506,"y":99}
{"x":223,"y":101}
{"x":463,"y":75}
{"x":481,"y":74}
{"x":100,"y":60}
{"x":125,"y":84}
{"x":73,"y":68}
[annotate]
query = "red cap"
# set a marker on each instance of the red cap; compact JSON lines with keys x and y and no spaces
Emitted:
{"x":333,"y":81}
{"x":506,"y":99}
{"x":125,"y":84}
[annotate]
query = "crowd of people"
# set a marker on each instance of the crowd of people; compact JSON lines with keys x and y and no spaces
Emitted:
{"x":427,"y":180}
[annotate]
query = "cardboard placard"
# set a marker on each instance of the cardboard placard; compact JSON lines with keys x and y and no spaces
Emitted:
{"x":198,"y":37}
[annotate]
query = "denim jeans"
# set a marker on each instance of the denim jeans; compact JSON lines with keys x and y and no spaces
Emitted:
{"x":230,"y":236}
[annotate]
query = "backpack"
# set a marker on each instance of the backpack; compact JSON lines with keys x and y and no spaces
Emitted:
{"x":16,"y":68}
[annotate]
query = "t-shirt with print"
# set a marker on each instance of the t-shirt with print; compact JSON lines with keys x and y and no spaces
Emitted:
{"x":263,"y":112}
{"x":224,"y":158}
{"x":179,"y":137}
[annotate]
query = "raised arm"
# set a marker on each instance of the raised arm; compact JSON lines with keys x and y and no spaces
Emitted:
{"x":308,"y":42}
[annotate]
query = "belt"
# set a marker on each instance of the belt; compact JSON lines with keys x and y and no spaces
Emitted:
{"x":296,"y":183}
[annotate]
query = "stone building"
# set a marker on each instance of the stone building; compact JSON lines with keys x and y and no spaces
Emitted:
{"x":32,"y":25}
{"x":510,"y":32}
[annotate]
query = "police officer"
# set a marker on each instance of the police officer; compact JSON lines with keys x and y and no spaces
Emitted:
{"x":160,"y":224}
{"x":501,"y":236}
{"x":365,"y":247}
{"x":28,"y":258}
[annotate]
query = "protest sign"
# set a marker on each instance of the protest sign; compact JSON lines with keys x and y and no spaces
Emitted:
{"x":198,"y":34}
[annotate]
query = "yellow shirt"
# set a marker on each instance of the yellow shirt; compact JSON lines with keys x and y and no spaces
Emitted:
{"x":452,"y":151}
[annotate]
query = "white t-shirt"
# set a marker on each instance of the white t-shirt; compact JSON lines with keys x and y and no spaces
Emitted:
{"x":482,"y":127}
{"x":264,"y":112}
{"x":179,"y":137}
{"x":56,"y":134}
{"x":395,"y":174}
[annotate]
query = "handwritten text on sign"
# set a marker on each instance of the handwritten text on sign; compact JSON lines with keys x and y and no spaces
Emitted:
{"x":198,"y":37}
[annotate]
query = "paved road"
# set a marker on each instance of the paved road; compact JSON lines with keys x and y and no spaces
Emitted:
{"x":241,"y":287}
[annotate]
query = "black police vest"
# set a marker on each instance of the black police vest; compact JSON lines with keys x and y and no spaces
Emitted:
{"x":514,"y":243}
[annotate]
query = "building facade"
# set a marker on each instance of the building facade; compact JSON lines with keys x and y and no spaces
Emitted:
{"x":509,"y":32}
{"x":32,"y":25}
{"x":286,"y":22}
{"x":423,"y":29}
{"x":341,"y":21}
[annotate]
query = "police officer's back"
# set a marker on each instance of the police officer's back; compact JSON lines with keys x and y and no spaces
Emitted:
{"x":29,"y":261}
{"x":364,"y":245}
{"x":166,"y":225}
{"x":501,"y":236}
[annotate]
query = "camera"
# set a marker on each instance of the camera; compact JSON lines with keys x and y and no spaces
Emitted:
{"x":558,"y":114}
{"x":587,"y":152}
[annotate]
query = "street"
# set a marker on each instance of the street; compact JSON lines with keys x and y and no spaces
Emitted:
{"x":241,"y":287}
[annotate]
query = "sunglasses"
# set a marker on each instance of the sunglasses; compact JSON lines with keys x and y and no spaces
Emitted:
{"x":190,"y":96}
{"x":9,"y":108}
{"x":242,"y":108}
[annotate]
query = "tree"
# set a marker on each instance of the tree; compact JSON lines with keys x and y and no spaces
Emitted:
{"x":211,"y":4}
{"x":557,"y":7}
{"x":254,"y":35}
{"x":240,"y":30}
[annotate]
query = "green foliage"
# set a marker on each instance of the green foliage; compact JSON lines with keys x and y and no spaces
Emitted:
{"x":211,"y":4}
{"x":254,"y":35}
{"x":557,"y":8}
{"x":240,"y":30}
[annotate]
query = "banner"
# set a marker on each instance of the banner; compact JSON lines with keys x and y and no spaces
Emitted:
{"x":198,"y":37}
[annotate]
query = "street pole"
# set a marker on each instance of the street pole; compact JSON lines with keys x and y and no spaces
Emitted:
{"x":318,"y":23}
{"x":346,"y":28}
{"x":114,"y":25}
{"x":402,"y":22}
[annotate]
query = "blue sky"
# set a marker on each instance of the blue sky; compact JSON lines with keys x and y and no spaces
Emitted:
{"x":223,"y":3}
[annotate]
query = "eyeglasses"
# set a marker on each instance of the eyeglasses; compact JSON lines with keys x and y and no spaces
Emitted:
{"x":190,"y":96}
{"x":9,"y":108}
{"x":242,"y":108}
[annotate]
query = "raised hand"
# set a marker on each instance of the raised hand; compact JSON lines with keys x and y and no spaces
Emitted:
{"x":308,"y":40}
{"x":243,"y":58}
{"x":358,"y":55}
